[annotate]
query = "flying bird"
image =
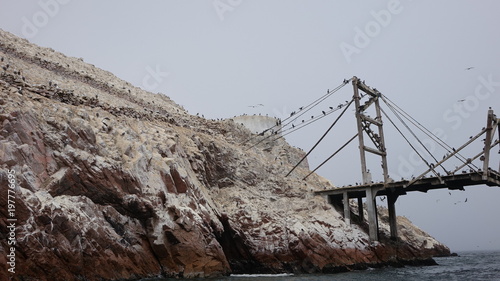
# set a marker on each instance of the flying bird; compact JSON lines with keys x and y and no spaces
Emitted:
{"x":461,"y":100}
{"x":469,"y":68}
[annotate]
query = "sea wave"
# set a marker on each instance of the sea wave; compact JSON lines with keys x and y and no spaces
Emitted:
{"x":262,"y":275}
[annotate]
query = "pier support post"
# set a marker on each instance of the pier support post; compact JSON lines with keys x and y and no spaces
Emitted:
{"x":360,"y":209}
{"x":487,"y":144}
{"x":371,"y":206}
{"x":391,"y":200}
{"x":347,"y":209}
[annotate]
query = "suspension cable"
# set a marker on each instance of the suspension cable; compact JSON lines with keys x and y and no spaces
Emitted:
{"x":313,"y":104}
{"x":331,"y":156}
{"x":418,"y":125}
{"x":302,"y":111}
{"x":415,"y":136}
{"x":310,"y":121}
{"x":322,"y":137}
{"x":427,"y":132}
{"x":409,"y":143}
{"x":293,"y":129}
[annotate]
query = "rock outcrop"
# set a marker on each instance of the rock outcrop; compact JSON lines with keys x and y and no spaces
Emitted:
{"x":114,"y":182}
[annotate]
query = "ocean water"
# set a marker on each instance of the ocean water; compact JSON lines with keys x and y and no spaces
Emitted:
{"x":467,"y":266}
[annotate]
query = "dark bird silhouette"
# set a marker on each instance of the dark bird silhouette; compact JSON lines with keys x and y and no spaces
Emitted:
{"x":330,"y":107}
{"x":461,"y":100}
{"x":469,"y":68}
{"x":324,"y":113}
{"x":465,"y":200}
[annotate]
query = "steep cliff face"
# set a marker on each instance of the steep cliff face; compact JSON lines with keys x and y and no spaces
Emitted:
{"x":117,"y":183}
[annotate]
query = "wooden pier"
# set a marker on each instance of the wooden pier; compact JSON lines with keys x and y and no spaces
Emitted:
{"x":428,"y":180}
{"x":392,"y":190}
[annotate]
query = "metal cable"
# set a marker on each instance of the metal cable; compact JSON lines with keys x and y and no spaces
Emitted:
{"x":331,"y":156}
{"x":322,"y":137}
{"x":312,"y":104}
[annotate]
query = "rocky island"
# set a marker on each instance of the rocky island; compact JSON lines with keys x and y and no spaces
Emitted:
{"x":109,"y":182}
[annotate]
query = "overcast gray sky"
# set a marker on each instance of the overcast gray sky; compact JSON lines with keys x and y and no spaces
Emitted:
{"x":218,"y":57}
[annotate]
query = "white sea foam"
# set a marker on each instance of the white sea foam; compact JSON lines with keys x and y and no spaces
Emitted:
{"x":261,"y":275}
